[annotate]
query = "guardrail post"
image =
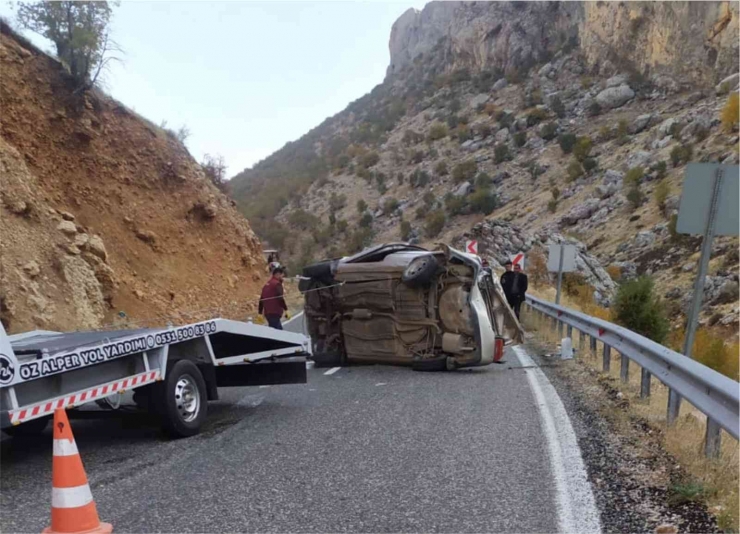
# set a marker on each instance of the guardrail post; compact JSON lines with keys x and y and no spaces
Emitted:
{"x":560,"y":328}
{"x":674,"y":406}
{"x":581,"y":339}
{"x":645,"y":377}
{"x":712,"y":439}
{"x":593,"y":345}
{"x":569,"y":332}
{"x":607,"y":361}
{"x":624,"y":369}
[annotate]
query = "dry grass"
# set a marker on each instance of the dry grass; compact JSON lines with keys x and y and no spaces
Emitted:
{"x":684,"y":440}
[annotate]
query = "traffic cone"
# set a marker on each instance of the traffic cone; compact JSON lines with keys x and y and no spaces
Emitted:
{"x":72,"y":506}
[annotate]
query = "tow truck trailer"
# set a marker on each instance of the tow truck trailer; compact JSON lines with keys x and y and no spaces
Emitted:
{"x":174,"y":371}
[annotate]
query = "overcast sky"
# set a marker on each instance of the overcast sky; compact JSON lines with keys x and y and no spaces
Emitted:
{"x":246,"y":77}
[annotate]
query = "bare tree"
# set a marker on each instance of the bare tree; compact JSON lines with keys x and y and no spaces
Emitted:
{"x":215,"y":169}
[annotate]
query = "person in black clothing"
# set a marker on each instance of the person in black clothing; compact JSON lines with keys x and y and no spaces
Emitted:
{"x":514,"y":284}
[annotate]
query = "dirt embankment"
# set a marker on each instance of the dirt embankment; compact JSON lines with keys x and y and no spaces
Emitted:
{"x":104,"y":217}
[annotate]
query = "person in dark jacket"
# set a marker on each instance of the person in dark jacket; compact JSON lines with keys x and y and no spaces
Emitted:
{"x":272,"y":304}
{"x":514,"y":284}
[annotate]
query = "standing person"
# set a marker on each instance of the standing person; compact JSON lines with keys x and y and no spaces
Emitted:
{"x":272,"y":304}
{"x":520,"y":286}
{"x":514,"y":284}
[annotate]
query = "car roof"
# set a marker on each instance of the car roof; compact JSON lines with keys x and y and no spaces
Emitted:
{"x":378,"y":252}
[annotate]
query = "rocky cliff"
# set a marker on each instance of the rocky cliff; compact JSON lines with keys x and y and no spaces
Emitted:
{"x":673,"y":42}
{"x":523,"y":124}
{"x":105,"y":218}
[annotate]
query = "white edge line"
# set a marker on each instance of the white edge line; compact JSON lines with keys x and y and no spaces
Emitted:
{"x":577,"y":511}
{"x":332,"y":371}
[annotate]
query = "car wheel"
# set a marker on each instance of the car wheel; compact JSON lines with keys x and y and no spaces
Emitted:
{"x":181,"y":399}
{"x":319,"y":271}
{"x":438,"y":363}
{"x":421,"y":271}
{"x":450,"y":363}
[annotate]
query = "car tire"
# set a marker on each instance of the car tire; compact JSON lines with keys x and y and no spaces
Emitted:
{"x":319,"y":271}
{"x":28,"y":429}
{"x":438,"y":363}
{"x":421,"y":271}
{"x":181,"y":399}
{"x":327,"y":359}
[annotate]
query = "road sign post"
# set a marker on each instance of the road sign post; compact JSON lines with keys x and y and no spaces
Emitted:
{"x":562,"y":259}
{"x":709,"y":206}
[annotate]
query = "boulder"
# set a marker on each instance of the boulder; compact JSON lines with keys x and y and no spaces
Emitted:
{"x":67,"y":216}
{"x":613,"y":176}
{"x":580,"y":212}
{"x":546,"y":69}
{"x":147,"y":236}
{"x":32,"y":269}
{"x":640,"y":123}
{"x":616,"y":81}
{"x":665,"y":127}
{"x":615,"y":97}
{"x":499,"y":177}
{"x":500,"y":84}
{"x":502,"y":135}
{"x":728,"y":84}
{"x":95,"y":245}
{"x":477,"y":100}
{"x":628,"y":269}
{"x":688,"y":267}
{"x":463,"y":190}
{"x":638,"y":158}
{"x":67,"y":227}
{"x":674,"y":293}
{"x":645,"y":238}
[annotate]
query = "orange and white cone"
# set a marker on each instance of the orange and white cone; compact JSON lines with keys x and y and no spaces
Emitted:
{"x":72,"y":506}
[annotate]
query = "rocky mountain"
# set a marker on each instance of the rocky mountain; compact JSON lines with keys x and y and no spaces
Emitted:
{"x":561,"y":121}
{"x":104,"y":217}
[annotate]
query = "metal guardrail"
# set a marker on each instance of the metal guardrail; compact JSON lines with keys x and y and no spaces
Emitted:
{"x":714,"y":394}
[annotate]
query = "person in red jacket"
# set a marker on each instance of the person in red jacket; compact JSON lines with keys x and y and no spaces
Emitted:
{"x":272,"y":304}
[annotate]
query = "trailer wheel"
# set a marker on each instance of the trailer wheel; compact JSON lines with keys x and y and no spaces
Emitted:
{"x":181,"y":399}
{"x":30,"y":428}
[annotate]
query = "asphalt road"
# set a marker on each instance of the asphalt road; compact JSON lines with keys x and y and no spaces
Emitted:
{"x":372,"y":448}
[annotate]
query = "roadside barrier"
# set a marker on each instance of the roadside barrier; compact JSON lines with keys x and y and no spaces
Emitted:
{"x":73,"y":509}
{"x":715,"y":395}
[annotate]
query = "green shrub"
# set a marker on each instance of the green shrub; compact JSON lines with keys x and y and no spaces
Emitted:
{"x":549,"y":131}
{"x":675,"y":130}
{"x":504,"y":119}
{"x":365,"y":174}
{"x":635,"y":196}
{"x":303,"y":220}
{"x":484,"y":130}
{"x":464,"y":171}
{"x":380,"y":183}
{"x":555,"y":192}
{"x":731,"y":113}
{"x":390,"y":205}
{"x":337,"y":202}
{"x":501,"y":153}
{"x":582,"y":148}
{"x":359,"y":239}
{"x":440,"y":169}
{"x":369,"y":159}
{"x":463,"y":133}
{"x":361,"y":206}
{"x":552,"y":206}
{"x":419,"y":178}
{"x":429,"y":199}
{"x":661,"y":169}
{"x":483,"y":201}
{"x":567,"y":141}
{"x":405,"y":230}
{"x":536,"y":116}
{"x":535,"y":170}
{"x":622,"y":132}
{"x":575,"y":170}
{"x":662,"y":190}
{"x":454,"y":205}
{"x":366,"y":221}
{"x":437,"y":131}
{"x":482,"y":180}
{"x":422,"y":211}
{"x":557,"y":107}
{"x":637,"y":308}
{"x":434,"y":222}
{"x":520,"y":139}
{"x":634,"y":176}
{"x":400,"y":178}
{"x":341,"y":226}
{"x":593,"y":109}
{"x":681,"y":154}
{"x":589,"y":165}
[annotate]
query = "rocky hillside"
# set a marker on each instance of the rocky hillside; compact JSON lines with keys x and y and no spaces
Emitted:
{"x":103,"y":216}
{"x":565,"y":121}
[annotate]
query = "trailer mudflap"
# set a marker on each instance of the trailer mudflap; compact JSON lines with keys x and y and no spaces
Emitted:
{"x":263,"y":373}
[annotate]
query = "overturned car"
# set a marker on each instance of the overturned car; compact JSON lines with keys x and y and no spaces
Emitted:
{"x":403,"y":304}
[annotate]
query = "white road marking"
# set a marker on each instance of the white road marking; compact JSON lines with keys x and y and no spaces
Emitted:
{"x":264,"y":387}
{"x":332,"y":371}
{"x":381,"y":383}
{"x":577,"y":510}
